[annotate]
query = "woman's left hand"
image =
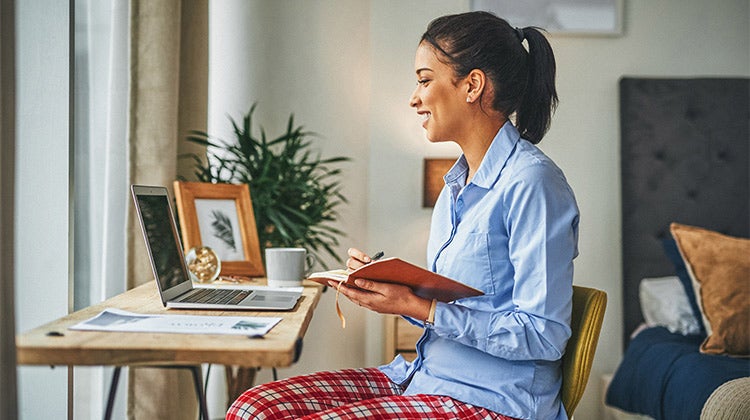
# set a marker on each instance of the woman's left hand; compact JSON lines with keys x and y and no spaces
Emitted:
{"x":386,"y":298}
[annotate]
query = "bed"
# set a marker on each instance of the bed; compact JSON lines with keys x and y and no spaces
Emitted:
{"x":685,"y":152}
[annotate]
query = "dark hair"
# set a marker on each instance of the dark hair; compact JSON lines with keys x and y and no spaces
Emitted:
{"x":524,"y":81}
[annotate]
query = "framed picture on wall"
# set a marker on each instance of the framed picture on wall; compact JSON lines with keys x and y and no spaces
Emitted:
{"x":569,"y":17}
{"x":220,"y":216}
{"x":432,"y":178}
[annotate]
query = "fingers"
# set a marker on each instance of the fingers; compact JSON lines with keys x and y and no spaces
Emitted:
{"x":356,"y":259}
{"x":366,"y":285}
{"x":380,"y":297}
{"x":358,"y":255}
{"x":356,"y":293}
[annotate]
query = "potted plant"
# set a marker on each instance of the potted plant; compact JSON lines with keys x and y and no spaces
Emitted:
{"x":295,"y":192}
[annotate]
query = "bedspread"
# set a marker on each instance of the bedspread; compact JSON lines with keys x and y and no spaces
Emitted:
{"x":663,"y":375}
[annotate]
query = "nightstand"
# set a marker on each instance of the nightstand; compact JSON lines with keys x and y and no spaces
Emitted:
{"x":400,"y":338}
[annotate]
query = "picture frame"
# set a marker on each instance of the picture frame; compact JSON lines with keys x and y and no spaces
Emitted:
{"x":221,"y":217}
{"x":560,"y":17}
{"x":432,"y":178}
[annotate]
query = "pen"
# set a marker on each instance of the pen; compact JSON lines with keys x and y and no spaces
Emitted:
{"x":378,"y":255}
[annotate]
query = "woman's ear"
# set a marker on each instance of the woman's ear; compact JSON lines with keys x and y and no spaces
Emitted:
{"x":475,"y":80}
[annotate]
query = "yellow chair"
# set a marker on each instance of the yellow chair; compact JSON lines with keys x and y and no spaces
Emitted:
{"x":586,"y":323}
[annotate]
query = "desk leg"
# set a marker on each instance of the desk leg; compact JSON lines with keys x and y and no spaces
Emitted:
{"x":199,"y":391}
{"x":112,"y":392}
{"x":196,"y":370}
{"x":239,"y":380}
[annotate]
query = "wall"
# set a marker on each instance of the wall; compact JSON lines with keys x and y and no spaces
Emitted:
{"x":42,"y":186}
{"x":310,"y":59}
{"x":662,"y":39}
{"x":346,"y":70}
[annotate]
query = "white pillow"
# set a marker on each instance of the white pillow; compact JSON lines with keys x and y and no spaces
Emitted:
{"x":664,"y":303}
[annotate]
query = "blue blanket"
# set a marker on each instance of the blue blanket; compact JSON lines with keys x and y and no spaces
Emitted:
{"x":663,"y":375}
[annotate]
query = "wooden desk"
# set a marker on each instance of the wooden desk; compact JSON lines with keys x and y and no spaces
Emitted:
{"x":279,"y":348}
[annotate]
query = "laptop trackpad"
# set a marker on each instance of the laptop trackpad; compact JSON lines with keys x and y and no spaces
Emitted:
{"x":271,"y":299}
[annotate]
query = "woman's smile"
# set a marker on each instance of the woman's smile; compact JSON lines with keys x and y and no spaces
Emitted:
{"x":425,"y":117}
{"x":438,"y":96}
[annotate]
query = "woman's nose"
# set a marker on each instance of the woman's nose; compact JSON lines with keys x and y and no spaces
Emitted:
{"x":414,"y":100}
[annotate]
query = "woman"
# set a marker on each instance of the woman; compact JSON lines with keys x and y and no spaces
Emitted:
{"x":506,"y":223}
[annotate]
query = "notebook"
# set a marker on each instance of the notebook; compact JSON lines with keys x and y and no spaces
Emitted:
{"x":168,"y":264}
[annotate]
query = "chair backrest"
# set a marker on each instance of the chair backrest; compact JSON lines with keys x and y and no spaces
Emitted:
{"x":586,"y":323}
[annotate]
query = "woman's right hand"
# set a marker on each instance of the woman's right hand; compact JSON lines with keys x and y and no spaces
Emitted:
{"x":356,"y":259}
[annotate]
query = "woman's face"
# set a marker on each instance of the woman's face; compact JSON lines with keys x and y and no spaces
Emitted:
{"x":439,"y":99}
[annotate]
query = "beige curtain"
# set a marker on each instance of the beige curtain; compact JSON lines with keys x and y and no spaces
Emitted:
{"x":168,"y":95}
{"x":8,"y":392}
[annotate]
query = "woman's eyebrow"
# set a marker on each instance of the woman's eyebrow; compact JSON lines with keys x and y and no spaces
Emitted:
{"x":423,"y":69}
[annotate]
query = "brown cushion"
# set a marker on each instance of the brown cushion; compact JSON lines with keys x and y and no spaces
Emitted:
{"x":719,"y":266}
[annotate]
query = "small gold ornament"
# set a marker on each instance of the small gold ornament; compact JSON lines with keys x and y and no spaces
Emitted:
{"x":204,"y":264}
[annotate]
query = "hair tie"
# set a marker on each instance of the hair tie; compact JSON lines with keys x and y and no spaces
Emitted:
{"x":520,"y":34}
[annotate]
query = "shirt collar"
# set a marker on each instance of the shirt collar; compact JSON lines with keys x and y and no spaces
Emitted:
{"x":492,"y":163}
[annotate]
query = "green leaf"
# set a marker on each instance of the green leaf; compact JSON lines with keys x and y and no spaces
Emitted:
{"x":295,"y":192}
{"x":222,"y":229}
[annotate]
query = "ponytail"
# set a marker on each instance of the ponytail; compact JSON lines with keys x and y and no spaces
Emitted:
{"x":524,"y":81}
{"x":534,"y":114}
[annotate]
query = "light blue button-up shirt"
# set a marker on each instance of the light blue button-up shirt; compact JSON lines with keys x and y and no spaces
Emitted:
{"x":511,"y":232}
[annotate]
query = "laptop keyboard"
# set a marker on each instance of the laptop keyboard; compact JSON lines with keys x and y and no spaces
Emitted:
{"x":216,"y":296}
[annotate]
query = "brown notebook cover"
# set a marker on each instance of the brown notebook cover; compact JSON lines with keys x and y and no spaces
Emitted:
{"x":424,"y":283}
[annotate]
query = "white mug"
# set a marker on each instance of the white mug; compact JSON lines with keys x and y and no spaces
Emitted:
{"x":287,"y":267}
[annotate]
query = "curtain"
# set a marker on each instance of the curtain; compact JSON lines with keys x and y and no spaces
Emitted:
{"x":100,"y":174}
{"x":133,"y":104}
{"x":101,"y":79}
{"x":159,"y":112}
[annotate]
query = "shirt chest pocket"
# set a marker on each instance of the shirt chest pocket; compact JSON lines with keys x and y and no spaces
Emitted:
{"x":467,"y":259}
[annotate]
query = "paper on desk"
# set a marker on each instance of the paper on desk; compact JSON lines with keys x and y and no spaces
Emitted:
{"x":112,"y":319}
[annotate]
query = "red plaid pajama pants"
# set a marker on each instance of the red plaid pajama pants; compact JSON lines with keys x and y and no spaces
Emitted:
{"x":347,"y":394}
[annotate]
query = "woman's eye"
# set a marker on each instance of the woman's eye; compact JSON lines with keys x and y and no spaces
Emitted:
{"x":422,"y":81}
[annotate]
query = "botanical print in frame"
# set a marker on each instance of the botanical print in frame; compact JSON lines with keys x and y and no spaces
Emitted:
{"x":219,"y":226}
{"x":221,"y":217}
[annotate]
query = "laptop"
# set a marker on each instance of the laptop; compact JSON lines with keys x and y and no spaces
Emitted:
{"x":168,"y":264}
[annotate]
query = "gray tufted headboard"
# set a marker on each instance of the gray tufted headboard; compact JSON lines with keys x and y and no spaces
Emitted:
{"x":685,"y":148}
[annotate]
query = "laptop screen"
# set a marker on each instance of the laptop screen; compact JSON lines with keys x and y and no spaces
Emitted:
{"x":163,"y":242}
